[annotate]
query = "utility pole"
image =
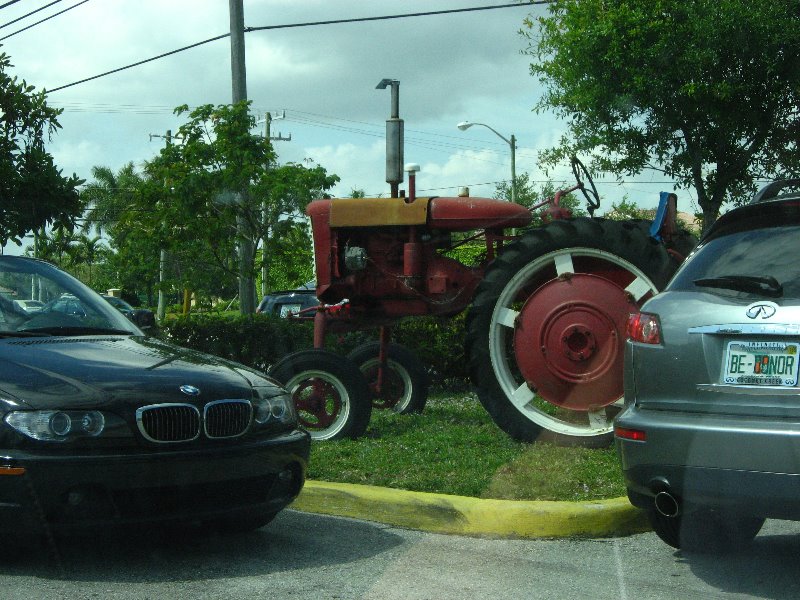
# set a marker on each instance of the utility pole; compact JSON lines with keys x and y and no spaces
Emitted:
{"x":238,"y":70}
{"x":268,"y":118}
{"x":247,"y":290}
{"x":161,"y":311}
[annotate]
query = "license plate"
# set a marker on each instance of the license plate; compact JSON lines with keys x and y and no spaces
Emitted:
{"x":289,"y":308}
{"x":762,"y":363}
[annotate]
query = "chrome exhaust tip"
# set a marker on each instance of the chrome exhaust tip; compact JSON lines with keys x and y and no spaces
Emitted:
{"x":667,"y":505}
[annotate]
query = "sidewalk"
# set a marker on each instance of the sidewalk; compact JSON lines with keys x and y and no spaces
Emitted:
{"x":441,"y":513}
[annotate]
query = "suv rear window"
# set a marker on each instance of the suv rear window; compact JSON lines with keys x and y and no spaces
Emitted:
{"x":757,"y":253}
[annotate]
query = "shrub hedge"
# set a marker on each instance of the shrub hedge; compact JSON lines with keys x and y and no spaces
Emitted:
{"x":260,"y":341}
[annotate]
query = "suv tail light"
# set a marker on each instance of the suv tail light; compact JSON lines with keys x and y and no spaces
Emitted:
{"x":644,"y":328}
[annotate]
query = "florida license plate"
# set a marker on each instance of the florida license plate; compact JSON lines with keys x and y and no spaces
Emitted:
{"x":289,"y":308}
{"x":762,"y":363}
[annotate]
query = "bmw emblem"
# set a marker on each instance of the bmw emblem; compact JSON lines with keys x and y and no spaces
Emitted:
{"x":190,"y":390}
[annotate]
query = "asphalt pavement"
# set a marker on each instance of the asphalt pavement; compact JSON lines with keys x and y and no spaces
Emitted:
{"x":441,"y":513}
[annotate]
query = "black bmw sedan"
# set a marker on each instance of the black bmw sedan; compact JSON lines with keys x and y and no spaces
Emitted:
{"x":101,"y":425}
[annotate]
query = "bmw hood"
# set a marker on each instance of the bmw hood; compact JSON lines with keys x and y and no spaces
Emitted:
{"x":97,"y":372}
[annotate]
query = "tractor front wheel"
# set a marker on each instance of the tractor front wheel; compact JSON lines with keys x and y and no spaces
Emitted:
{"x":546,"y":332}
{"x":404,"y":388}
{"x":329,"y":392}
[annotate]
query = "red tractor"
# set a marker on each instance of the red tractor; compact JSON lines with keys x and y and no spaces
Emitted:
{"x":548,"y":305}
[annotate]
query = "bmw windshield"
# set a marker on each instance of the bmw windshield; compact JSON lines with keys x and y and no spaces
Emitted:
{"x":70,"y":308}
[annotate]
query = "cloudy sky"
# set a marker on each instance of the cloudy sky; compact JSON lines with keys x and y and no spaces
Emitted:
{"x":451,"y":68}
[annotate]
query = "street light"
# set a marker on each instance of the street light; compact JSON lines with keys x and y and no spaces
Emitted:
{"x":464,"y":125}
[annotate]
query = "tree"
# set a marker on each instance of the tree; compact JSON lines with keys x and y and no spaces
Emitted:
{"x":53,"y":246}
{"x":529,"y":195}
{"x":33,"y":193}
{"x":87,"y":251}
{"x":115,"y":210}
{"x":706,"y":91}
{"x":216,"y":187}
{"x":626,"y":210}
{"x":109,"y":196}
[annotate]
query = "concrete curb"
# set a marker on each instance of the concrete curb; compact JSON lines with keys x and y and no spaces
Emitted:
{"x":441,"y":513}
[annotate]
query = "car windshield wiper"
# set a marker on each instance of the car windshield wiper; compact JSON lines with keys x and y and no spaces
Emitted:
{"x":765,"y":286}
{"x":15,"y":334}
{"x":56,"y":330}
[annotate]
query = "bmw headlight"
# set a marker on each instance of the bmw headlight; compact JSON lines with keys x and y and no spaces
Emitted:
{"x":274,"y":408}
{"x":57,"y":425}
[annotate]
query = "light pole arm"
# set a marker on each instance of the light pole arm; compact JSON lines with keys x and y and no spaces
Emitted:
{"x":498,"y":134}
{"x":513,"y":145}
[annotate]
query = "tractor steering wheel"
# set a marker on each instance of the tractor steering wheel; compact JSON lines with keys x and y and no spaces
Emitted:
{"x":590,"y":193}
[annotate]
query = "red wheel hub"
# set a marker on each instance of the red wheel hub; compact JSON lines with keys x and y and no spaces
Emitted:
{"x":390,"y":392}
{"x":315,"y":397}
{"x":569,"y":341}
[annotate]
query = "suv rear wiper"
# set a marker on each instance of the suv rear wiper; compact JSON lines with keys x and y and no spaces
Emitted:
{"x":766,"y":286}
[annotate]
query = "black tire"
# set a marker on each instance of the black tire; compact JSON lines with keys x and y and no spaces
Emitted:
{"x":405,"y":386}
{"x":598,"y":271}
{"x":329,"y":392}
{"x":706,"y":531}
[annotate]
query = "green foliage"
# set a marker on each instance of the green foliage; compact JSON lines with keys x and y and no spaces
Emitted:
{"x":290,"y":259}
{"x":259,"y":341}
{"x":211,"y":196}
{"x":254,"y":340}
{"x":705,"y":91}
{"x":529,"y":195}
{"x":439,"y":344}
{"x":224,"y":197}
{"x":78,"y":254}
{"x":33,"y":193}
{"x":470,"y":253}
{"x":626,"y":210}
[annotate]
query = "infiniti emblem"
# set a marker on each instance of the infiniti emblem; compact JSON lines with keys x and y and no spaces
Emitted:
{"x":762,"y":310}
{"x":190,"y":390}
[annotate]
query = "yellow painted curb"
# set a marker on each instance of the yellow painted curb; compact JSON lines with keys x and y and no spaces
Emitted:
{"x":441,"y":513}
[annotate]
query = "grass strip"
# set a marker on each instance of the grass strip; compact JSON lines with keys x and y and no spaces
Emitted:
{"x":455,"y":448}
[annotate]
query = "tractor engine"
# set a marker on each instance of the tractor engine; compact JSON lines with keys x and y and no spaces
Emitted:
{"x":381,"y":255}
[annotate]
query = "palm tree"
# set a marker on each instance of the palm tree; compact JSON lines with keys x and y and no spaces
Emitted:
{"x":86,"y":250}
{"x":52,"y":246}
{"x":109,"y":196}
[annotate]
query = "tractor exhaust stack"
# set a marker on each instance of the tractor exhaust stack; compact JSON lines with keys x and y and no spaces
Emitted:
{"x":394,"y":138}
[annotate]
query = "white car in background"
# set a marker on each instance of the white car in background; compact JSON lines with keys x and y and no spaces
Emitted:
{"x":30,"y":306}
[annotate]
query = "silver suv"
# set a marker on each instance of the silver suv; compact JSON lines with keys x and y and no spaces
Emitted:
{"x":709,"y":437}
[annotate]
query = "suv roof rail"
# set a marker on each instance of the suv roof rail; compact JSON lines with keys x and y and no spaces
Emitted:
{"x":770,"y":191}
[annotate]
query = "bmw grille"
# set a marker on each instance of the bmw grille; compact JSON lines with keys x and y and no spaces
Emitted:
{"x":179,"y":422}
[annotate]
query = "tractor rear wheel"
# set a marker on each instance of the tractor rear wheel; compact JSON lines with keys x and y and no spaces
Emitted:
{"x":329,"y":392}
{"x":405,"y":382}
{"x":546,"y":332}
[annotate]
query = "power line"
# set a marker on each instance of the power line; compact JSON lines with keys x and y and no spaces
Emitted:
{"x":400,"y":16}
{"x":29,"y":14}
{"x":53,"y":16}
{"x":285,"y":26}
{"x":2,"y":6}
{"x":141,"y":62}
